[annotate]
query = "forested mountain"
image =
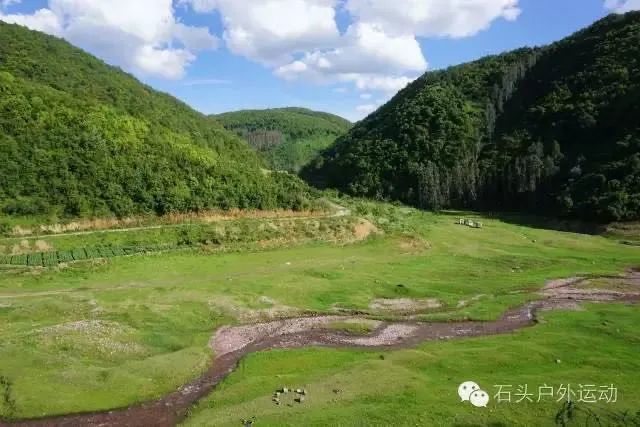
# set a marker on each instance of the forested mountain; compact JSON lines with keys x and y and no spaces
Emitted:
{"x":78,"y":137}
{"x":554,"y":130}
{"x":286,"y":138}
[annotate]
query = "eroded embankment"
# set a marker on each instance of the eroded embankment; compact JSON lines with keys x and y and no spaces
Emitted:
{"x":231,"y":343}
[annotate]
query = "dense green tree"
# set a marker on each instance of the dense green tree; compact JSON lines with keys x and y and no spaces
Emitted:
{"x":79,"y":138}
{"x":552,"y":130}
{"x":285,"y":138}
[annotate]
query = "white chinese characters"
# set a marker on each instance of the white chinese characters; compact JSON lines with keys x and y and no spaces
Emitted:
{"x":581,"y":393}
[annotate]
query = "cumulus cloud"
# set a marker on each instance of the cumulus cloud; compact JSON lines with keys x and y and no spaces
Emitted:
{"x":201,"y":6}
{"x":433,"y":18}
{"x":366,"y":56}
{"x":42,"y":20}
{"x":365,"y":109}
{"x":138,"y":35}
{"x":271,"y":31}
{"x":622,"y":6}
{"x":363,"y":49}
{"x":380,"y":51}
{"x":377,"y":82}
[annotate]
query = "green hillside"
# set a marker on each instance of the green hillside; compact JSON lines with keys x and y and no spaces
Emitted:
{"x":81,"y":138}
{"x":553,"y":130}
{"x":286,"y":138}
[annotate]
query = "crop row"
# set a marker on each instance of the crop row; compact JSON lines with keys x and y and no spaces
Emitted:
{"x":51,"y":259}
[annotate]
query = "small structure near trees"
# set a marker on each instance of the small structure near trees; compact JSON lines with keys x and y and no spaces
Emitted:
{"x":470,"y":223}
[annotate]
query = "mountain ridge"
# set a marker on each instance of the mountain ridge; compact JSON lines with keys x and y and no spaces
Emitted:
{"x":501,"y":133}
{"x":285,"y":138}
{"x":83,"y":138}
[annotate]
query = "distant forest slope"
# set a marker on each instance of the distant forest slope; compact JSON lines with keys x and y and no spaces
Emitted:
{"x":81,"y":138}
{"x":286,"y":138}
{"x":554,"y":130}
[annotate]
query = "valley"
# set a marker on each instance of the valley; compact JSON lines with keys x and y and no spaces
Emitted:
{"x":142,"y":324}
{"x":160,"y":266}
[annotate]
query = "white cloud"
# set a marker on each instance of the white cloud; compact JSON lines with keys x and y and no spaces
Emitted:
{"x":168,"y":63}
{"x":380,"y":51}
{"x":367,"y":57}
{"x":195,"y":38}
{"x":271,"y":31}
{"x":433,"y":18}
{"x":378,"y":83}
{"x":137,"y":35}
{"x":201,"y":6}
{"x":298,"y":39}
{"x":42,"y":20}
{"x":367,"y":48}
{"x":365,"y":109}
{"x":622,"y":6}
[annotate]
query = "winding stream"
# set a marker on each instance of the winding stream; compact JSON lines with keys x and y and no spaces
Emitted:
{"x":231,"y":343}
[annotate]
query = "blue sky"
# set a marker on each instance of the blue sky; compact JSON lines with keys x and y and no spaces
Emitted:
{"x":342,"y":56}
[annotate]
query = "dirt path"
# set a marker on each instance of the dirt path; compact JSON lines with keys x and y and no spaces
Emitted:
{"x":231,"y":343}
{"x":338,"y":211}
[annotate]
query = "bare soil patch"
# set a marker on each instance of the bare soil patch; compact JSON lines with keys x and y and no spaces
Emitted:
{"x":364,"y":229}
{"x":247,"y":315}
{"x":604,"y":288}
{"x":142,"y":222}
{"x":413,"y":245}
{"x":404,"y":305}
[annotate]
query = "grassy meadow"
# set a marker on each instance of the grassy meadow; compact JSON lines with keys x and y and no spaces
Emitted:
{"x":419,"y":386}
{"x":107,"y":333}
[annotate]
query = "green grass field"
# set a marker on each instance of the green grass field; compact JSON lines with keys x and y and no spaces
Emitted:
{"x":419,"y":386}
{"x":101,"y":334}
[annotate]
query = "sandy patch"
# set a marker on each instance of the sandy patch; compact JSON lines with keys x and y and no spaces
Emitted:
{"x":389,"y":335}
{"x":139,"y":222}
{"x":19,"y":231}
{"x":364,"y":229}
{"x":92,"y":336}
{"x":266,"y":300}
{"x":413,"y":244}
{"x":42,"y":246}
{"x":232,"y":308}
{"x":404,"y":304}
{"x":561,"y":283}
{"x":21,"y":248}
{"x":464,"y":302}
{"x":606,"y":289}
{"x":231,"y":338}
{"x":567,"y":304}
